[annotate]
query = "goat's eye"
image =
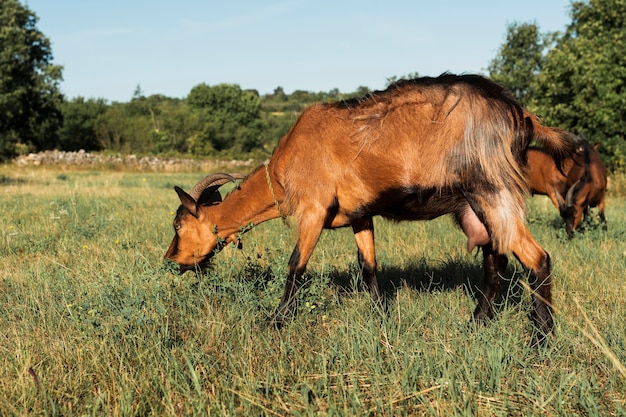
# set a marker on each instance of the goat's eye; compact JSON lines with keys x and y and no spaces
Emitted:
{"x":176,"y":226}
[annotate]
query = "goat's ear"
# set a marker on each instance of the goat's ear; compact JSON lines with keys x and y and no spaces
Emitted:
{"x":209,"y":197}
{"x":187,"y":201}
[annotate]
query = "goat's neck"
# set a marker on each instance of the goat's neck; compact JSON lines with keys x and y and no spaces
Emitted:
{"x":250,"y":204}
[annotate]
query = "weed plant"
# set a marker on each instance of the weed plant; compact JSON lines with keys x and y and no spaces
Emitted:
{"x":93,"y":322}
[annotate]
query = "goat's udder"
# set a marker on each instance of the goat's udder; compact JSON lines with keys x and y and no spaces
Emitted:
{"x":474,"y":229}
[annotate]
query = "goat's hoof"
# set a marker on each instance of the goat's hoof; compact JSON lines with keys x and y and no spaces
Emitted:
{"x":277,"y":321}
{"x":481,"y":317}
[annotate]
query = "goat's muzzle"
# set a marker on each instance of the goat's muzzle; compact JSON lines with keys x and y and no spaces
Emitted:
{"x":171,"y":259}
{"x":172,"y":265}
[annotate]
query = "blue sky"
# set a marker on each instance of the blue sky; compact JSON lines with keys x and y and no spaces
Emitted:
{"x":109,"y":47}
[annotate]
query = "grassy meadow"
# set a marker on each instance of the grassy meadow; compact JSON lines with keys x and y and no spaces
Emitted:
{"x":92,"y":322}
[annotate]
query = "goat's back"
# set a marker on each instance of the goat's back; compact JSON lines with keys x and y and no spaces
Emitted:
{"x":436,"y":133}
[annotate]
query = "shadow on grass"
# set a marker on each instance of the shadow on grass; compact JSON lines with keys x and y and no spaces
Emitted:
{"x":427,"y":276}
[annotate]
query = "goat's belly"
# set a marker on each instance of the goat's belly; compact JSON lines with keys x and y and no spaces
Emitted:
{"x":424,"y":214}
{"x":416,"y":204}
{"x":438,"y":204}
{"x":405,"y":204}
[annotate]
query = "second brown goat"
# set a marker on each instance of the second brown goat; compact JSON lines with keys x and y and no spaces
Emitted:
{"x":579,"y":185}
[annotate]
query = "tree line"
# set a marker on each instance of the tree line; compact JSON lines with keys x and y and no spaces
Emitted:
{"x":573,"y":79}
{"x":220,"y":120}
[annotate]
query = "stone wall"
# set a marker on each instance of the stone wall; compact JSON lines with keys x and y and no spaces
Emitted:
{"x":151,"y":163}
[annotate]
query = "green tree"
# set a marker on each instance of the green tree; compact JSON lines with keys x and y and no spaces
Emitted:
{"x":146,"y":125}
{"x":29,"y":91}
{"x":232,"y":118}
{"x":582,"y":83}
{"x":79,"y":123}
{"x":395,"y":78}
{"x":362,"y":91}
{"x":112,"y":129}
{"x":519,"y":60}
{"x":174,"y":127}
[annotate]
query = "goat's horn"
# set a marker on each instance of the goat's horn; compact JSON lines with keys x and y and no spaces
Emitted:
{"x":559,"y":199}
{"x":212,"y":182}
{"x":569,"y":198}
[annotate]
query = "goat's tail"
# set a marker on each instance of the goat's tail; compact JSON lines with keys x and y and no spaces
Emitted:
{"x":559,"y":143}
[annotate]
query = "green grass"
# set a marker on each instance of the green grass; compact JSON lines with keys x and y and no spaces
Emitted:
{"x":93,"y":323}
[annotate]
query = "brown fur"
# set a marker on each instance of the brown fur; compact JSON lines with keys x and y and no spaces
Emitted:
{"x":583,"y":176}
{"x":418,"y":150}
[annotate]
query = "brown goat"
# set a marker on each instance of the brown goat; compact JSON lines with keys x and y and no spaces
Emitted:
{"x":418,"y":150}
{"x":579,"y":185}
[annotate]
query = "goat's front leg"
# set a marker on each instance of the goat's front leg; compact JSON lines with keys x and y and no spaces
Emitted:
{"x":494,"y":265}
{"x":364,"y":236}
{"x":578,"y":218}
{"x":307,"y":239}
{"x":601,"y":205}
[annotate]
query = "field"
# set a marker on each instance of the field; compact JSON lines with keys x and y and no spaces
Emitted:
{"x":92,"y":322}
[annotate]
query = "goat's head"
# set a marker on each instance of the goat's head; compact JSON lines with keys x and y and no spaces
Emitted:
{"x":568,"y":207}
{"x":195,"y":239}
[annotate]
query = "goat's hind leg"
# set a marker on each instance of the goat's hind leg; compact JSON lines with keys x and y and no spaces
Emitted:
{"x":494,"y":265}
{"x":537,"y":261}
{"x":509,"y":234}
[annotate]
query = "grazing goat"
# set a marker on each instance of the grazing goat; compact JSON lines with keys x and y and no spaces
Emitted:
{"x":582,"y":181}
{"x":418,"y":150}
